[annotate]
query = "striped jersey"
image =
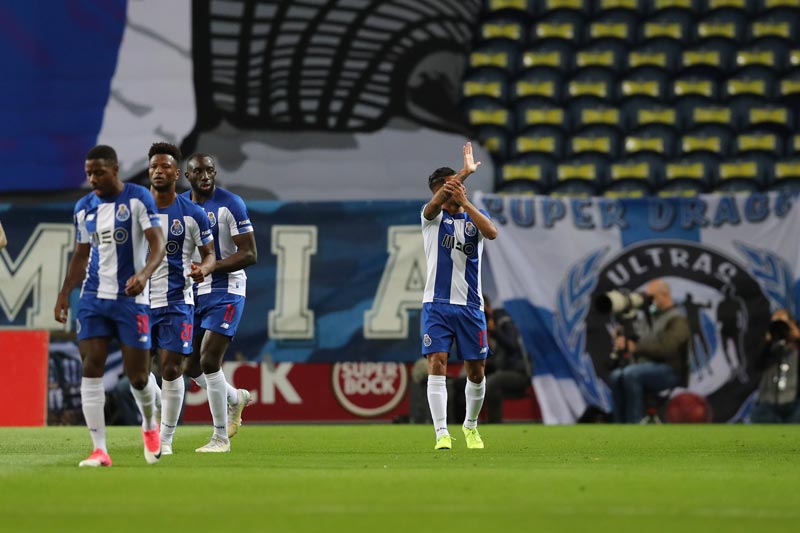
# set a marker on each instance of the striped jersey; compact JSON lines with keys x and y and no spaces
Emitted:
{"x":115,"y":228}
{"x":453,"y":250}
{"x":185,"y":228}
{"x":227,"y":216}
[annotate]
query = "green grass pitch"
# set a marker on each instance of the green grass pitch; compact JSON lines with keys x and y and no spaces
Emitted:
{"x":380,"y":478}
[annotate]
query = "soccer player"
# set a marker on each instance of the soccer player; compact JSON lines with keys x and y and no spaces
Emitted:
{"x":220,"y":298}
{"x":453,"y":231}
{"x":115,"y":224}
{"x":185,"y":227}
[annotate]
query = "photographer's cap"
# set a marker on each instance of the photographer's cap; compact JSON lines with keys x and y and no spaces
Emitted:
{"x":439,"y":175}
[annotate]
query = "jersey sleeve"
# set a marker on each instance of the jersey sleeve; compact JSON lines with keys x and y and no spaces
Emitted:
{"x":79,"y":219}
{"x":147,"y":214}
{"x":203,"y":231}
{"x":425,"y":222}
{"x":240,"y":221}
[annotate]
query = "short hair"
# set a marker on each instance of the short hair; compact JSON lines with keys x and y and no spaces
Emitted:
{"x":439,"y":175}
{"x":165,"y":149}
{"x":102,"y":151}
{"x":200,"y":155}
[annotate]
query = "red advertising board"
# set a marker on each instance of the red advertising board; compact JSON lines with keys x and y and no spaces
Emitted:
{"x":24,"y":360}
{"x":313,"y":392}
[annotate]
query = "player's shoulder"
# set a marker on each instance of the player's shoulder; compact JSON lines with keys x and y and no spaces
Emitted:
{"x":133,"y":190}
{"x":87,"y":202}
{"x":189,"y":208}
{"x":226,"y":197}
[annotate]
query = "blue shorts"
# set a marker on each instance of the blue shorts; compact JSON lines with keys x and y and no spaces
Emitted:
{"x":219,"y":312}
{"x":443,"y":323}
{"x":172,"y":327}
{"x":124,"y":319}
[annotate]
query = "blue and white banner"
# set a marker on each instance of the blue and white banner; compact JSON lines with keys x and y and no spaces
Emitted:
{"x":729,"y":261}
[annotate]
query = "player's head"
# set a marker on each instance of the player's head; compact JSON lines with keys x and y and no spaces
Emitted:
{"x":163,"y":170}
{"x":102,"y":170}
{"x":201,"y":173}
{"x":439,"y":176}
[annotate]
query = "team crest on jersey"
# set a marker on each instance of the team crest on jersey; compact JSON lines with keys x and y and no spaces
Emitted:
{"x":123,"y":213}
{"x":426,"y":340}
{"x":212,"y":220}
{"x":470,"y":229}
{"x":176,"y":228}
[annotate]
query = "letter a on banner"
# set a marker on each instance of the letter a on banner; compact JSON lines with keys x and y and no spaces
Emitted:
{"x":291,"y":318}
{"x":401,"y":288}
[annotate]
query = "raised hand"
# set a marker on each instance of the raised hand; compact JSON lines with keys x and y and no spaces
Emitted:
{"x":459,"y":193}
{"x":470,"y":166}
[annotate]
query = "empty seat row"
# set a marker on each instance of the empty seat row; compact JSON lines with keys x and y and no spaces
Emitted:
{"x":536,"y":8}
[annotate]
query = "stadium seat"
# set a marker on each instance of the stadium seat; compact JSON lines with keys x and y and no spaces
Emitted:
{"x":486,"y":82}
{"x":651,"y":139}
{"x":711,"y":58}
{"x":688,"y":6}
{"x":564,"y":25}
{"x":729,"y":24}
{"x":498,"y":53}
{"x":538,"y":111}
{"x":767,"y":52}
{"x":646,"y":170}
{"x":482,"y":111}
{"x":676,"y":25}
{"x":631,"y":6}
{"x":753,"y":172}
{"x":752,"y":141}
{"x":540,"y":82}
{"x":521,"y":186}
{"x":705,"y":86}
{"x":659,"y":53}
{"x":601,"y":139}
{"x":742,"y":107}
{"x":590,"y":111}
{"x":712,"y":138}
{"x":627,"y":189}
{"x":638,"y":112}
{"x":749,"y":7}
{"x":553,"y":53}
{"x":538,"y":169}
{"x":544,"y":139}
{"x":495,"y":140}
{"x":787,"y":174}
{"x":592,"y":82}
{"x":503,"y":27}
{"x":793,"y":60}
{"x":680,"y":189}
{"x":589,"y":169}
{"x":573,"y":189}
{"x":645,"y":81}
{"x":549,"y":6}
{"x":606,"y":54}
{"x":780,"y":23}
{"x":619,"y":26}
{"x":789,"y":87}
{"x":511,"y":8}
{"x":755,"y":79}
{"x":697,"y":111}
{"x":697,"y":172}
{"x":793,"y":145}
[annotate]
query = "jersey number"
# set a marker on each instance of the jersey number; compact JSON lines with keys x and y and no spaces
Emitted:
{"x":482,"y":340}
{"x":143,"y":323}
{"x":186,"y":332}
{"x":229,"y":312}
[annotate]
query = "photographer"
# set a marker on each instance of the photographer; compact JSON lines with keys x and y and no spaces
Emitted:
{"x":657,"y":359}
{"x":778,"y":364}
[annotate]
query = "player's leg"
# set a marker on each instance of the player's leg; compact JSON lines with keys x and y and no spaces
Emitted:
{"x":436,"y":340}
{"x":173,"y":337}
{"x":94,"y":331}
{"x":212,"y":351}
{"x":473,"y":348}
{"x":133,"y":326}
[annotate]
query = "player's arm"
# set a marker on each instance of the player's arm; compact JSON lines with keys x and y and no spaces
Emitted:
{"x":3,"y":239}
{"x":207,"y":263}
{"x":245,"y":255}
{"x":470,"y":166}
{"x":434,"y":206}
{"x":76,"y":272}
{"x":484,"y":223}
{"x":155,"y":239}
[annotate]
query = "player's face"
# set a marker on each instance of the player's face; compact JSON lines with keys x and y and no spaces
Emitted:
{"x":163,"y":172}
{"x":201,"y":174}
{"x":102,"y":176}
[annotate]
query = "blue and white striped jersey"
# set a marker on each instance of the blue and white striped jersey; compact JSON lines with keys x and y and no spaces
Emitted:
{"x":227,"y":216}
{"x":185,"y":227}
{"x":115,"y":228}
{"x":453,"y":250}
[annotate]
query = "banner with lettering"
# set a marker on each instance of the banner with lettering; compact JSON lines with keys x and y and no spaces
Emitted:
{"x":729,"y":260}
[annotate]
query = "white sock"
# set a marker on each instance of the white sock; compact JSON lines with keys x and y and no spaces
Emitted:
{"x":171,"y":408}
{"x":201,"y":381}
{"x":146,"y":402}
{"x":233,"y":394}
{"x":474,"y":393}
{"x":218,"y":403}
{"x":437,"y":400}
{"x":93,"y":400}
{"x":153,"y":384}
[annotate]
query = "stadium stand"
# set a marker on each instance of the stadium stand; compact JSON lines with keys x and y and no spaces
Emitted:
{"x":636,"y":97}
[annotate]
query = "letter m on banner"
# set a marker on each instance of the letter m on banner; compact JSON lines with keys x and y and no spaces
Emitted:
{"x":31,"y":281}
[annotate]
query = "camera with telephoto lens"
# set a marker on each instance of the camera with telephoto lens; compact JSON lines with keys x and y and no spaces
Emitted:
{"x":619,"y":302}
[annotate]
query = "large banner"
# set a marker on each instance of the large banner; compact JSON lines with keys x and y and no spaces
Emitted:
{"x":334,"y":281}
{"x":729,"y":261}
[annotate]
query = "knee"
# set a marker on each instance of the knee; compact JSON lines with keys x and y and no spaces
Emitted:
{"x":171,"y":371}
{"x":475,"y":375}
{"x":437,"y":366}
{"x":208,"y":365}
{"x":139,"y":380}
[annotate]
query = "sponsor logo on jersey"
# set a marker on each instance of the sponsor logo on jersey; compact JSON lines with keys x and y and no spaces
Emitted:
{"x":448,"y":221}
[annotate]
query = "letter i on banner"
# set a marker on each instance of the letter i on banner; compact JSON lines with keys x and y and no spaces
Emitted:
{"x":291,"y":318}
